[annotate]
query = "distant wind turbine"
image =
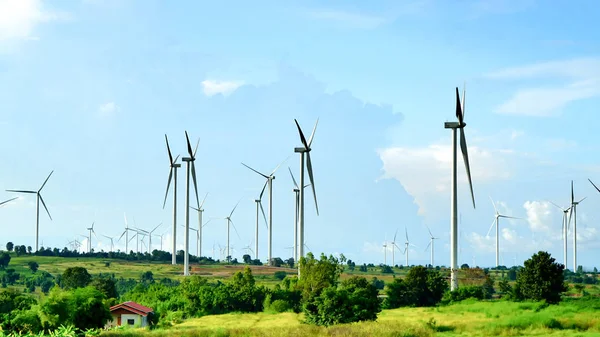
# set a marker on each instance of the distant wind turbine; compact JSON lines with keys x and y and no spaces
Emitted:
{"x":172,"y":174}
{"x":230,"y":223}
{"x":39,"y":198}
{"x":407,"y":244}
{"x":431,"y":243}
{"x":112,"y":246}
{"x":454,"y":200}
{"x":191,"y":170}
{"x":91,"y":230}
{"x":497,"y":223}
{"x":200,"y":211}
{"x":565,"y":232}
{"x":574,"y":213}
{"x":394,"y":246}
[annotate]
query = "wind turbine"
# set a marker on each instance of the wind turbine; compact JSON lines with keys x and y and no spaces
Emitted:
{"x":496,"y":222}
{"x":200,"y":211}
{"x":394,"y":249}
{"x":7,"y":201}
{"x":161,"y":239}
{"x":259,"y":205}
{"x":269,"y":182}
{"x":431,"y":243}
{"x":406,"y":244}
{"x":191,"y":168}
{"x":230,"y":222}
{"x":112,"y":246}
{"x":91,"y":230}
{"x":297,"y":200}
{"x":305,"y":152}
{"x":39,"y":198}
{"x":149,"y":235}
{"x":172,"y":174}
{"x":565,"y":226}
{"x":126,"y":233}
{"x":454,"y":196}
{"x":385,"y":252}
{"x":574,"y":213}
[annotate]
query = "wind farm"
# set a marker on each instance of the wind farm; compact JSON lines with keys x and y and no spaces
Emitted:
{"x":109,"y":108}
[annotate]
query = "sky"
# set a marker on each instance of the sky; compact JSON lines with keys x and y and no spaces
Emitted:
{"x":89,"y":88}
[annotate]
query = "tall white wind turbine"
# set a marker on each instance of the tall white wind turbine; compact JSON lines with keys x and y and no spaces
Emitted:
{"x":496,"y":222}
{"x":574,"y":214}
{"x":269,"y":183}
{"x":394,"y":249}
{"x":190,"y":170}
{"x":259,"y":206}
{"x":454,"y":196}
{"x":112,"y":246}
{"x":385,"y":252}
{"x":230,"y":223}
{"x":91,"y":230}
{"x":565,"y":233}
{"x":173,"y":166}
{"x":200,"y":211}
{"x":406,"y":245}
{"x":431,"y":244}
{"x":305,"y":152}
{"x":297,"y":205}
{"x":126,"y":233}
{"x":39,"y":198}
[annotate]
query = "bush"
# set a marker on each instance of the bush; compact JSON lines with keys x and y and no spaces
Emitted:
{"x":464,"y":293}
{"x":280,"y":275}
{"x":422,"y":287}
{"x":541,"y":279}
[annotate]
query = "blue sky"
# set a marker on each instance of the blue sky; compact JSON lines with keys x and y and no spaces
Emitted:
{"x":89,"y":88}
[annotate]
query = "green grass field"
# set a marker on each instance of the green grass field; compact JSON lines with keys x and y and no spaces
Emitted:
{"x":573,"y":317}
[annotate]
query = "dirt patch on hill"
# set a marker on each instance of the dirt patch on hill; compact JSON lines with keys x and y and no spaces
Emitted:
{"x":226,"y":271}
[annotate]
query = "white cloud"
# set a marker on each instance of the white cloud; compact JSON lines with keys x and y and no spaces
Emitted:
{"x":424,"y":172}
{"x":18,"y":18}
{"x":583,"y":81}
{"x":539,"y":216}
{"x":108,"y":109}
{"x":213,"y":87}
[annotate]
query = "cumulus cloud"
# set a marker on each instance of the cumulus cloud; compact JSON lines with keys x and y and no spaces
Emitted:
{"x":424,"y":172}
{"x":213,"y":87}
{"x":539,"y":215}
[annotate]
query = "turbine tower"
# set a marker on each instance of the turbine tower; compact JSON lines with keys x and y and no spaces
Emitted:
{"x":394,"y":249}
{"x":565,"y":226}
{"x":91,"y":230}
{"x":200,"y":211}
{"x":496,"y":222}
{"x":297,"y":204}
{"x":172,"y":174}
{"x":230,"y":222}
{"x":454,"y":196}
{"x":39,"y":198}
{"x":305,"y":152}
{"x":269,"y":182}
{"x":574,"y":213}
{"x":431,"y":243}
{"x":126,"y":233}
{"x":406,"y":244}
{"x":190,"y":169}
{"x":259,"y":206}
{"x":385,"y":252}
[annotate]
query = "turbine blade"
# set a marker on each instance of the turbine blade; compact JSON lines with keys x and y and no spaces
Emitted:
{"x":233,"y":210}
{"x":582,"y":199}
{"x":9,"y":200}
{"x":155,"y":228}
{"x":312,"y":179}
{"x":263,"y":214}
{"x":459,"y":114}
{"x":195,"y":184}
{"x":195,"y":209}
{"x":312,"y":135}
{"x":263,"y":190}
{"x":21,"y":191}
{"x":296,"y":184}
{"x":302,"y":138}
{"x":277,"y":168}
{"x":169,"y":151}
{"x":203,"y":200}
{"x":120,"y":237}
{"x":266,"y":176}
{"x":493,"y":203}
{"x":492,"y":226}
{"x":572,"y":193}
{"x":168,"y":185}
{"x":464,"y":99}
{"x":428,"y":245}
{"x":429,"y":231}
{"x":44,"y":204}
{"x":395,"y":235}
{"x":189,"y":146}
{"x":196,"y":148}
{"x":406,"y":233}
{"x":556,"y":205}
{"x":510,"y":217}
{"x":463,"y":148}
{"x":45,"y":181}
{"x":596,"y":187}
{"x":206,"y":223}
{"x":236,"y":232}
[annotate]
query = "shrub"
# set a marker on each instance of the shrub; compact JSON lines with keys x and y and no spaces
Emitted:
{"x":280,"y":275}
{"x":541,"y":279}
{"x":464,"y":293}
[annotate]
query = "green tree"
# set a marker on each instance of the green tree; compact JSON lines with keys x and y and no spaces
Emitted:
{"x":4,"y":260}
{"x":247,"y":259}
{"x":75,"y":277}
{"x":106,"y":285}
{"x":82,"y":307}
{"x":421,"y":287}
{"x":541,"y":279}
{"x":317,"y":275}
{"x":595,"y":270}
{"x":33,"y":266}
{"x":10,"y":246}
{"x":29,"y":250}
{"x":147,"y":277}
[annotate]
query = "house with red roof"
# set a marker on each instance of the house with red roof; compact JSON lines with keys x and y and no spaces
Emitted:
{"x":129,"y":314}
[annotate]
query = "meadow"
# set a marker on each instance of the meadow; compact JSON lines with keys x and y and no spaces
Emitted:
{"x":573,"y":317}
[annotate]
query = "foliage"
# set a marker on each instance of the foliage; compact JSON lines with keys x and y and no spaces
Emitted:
{"x":379,"y":284}
{"x":317,"y":275}
{"x":354,"y":301}
{"x":463,"y":293}
{"x":421,"y":287}
{"x":83,"y":308}
{"x":75,"y":277}
{"x":9,"y":246}
{"x":385,"y":269}
{"x":541,"y":279}
{"x":280,"y":275}
{"x":4,"y":260}
{"x":33,"y":266}
{"x":106,"y":285}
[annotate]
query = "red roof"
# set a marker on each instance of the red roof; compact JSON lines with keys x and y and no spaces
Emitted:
{"x":133,"y":307}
